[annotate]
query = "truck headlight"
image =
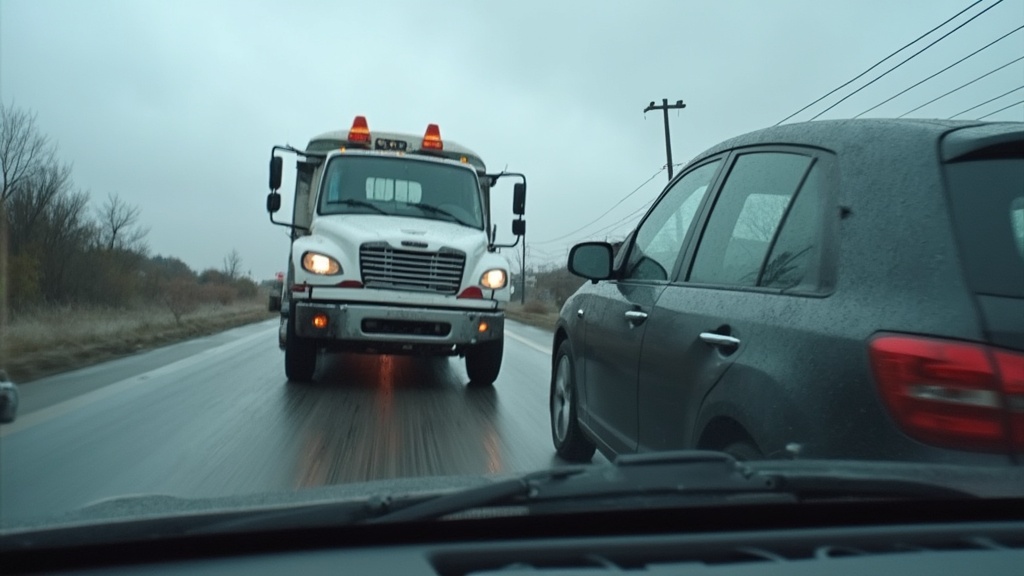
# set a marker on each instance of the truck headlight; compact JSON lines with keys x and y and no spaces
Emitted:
{"x":495,"y":279}
{"x":320,"y":264}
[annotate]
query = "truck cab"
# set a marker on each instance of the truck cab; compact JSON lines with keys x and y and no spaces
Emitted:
{"x":393,"y":251}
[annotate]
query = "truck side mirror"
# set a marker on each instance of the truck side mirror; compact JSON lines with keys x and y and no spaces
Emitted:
{"x":519,"y":227}
{"x":273,"y":202}
{"x":276,"y":168}
{"x":519,"y":199}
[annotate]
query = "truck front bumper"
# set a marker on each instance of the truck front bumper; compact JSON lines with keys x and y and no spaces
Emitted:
{"x":377,"y":324}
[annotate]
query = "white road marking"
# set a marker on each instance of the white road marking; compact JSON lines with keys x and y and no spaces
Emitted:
{"x":527,"y":343}
{"x":26,"y":421}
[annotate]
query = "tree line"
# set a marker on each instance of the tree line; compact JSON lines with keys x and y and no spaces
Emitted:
{"x":59,"y":248}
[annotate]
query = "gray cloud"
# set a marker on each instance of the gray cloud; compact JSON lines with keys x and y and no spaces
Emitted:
{"x":174,"y":105}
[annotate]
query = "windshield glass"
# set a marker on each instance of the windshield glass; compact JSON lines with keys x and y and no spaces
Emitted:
{"x":400,"y":187}
{"x":267,"y":252}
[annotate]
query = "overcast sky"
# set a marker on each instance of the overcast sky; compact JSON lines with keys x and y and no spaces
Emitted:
{"x":174,"y":105}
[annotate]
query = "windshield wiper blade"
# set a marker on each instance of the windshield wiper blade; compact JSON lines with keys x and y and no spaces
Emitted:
{"x":362,"y":204}
{"x":490,"y":495}
{"x":689,"y":477}
{"x":441,"y":211}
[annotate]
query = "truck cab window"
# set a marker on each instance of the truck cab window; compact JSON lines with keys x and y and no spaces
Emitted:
{"x":376,"y":185}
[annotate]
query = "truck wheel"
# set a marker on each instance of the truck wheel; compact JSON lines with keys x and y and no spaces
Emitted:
{"x":570,"y":443}
{"x":299,"y":354}
{"x":483,"y":362}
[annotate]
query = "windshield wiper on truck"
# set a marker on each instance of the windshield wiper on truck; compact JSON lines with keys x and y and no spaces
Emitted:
{"x":443,"y":212}
{"x":362,"y":204}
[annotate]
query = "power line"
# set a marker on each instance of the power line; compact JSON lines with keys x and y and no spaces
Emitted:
{"x":986,"y":102}
{"x":989,"y":73}
{"x":898,"y":94}
{"x":628,"y":220}
{"x":1017,"y":103}
{"x":911,"y":57}
{"x":606,"y":212}
{"x":879,"y":63}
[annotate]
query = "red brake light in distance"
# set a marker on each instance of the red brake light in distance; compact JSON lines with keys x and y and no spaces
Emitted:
{"x":952,"y":394}
{"x":360,"y":131}
{"x":432,"y":138}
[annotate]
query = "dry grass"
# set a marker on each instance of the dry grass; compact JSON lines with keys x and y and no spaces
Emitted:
{"x":47,"y":341}
{"x":534,"y":312}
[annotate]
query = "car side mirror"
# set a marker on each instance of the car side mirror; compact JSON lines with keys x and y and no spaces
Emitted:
{"x":519,"y":199}
{"x":519,"y":227}
{"x":276,"y":169}
{"x":273,"y":202}
{"x":591,"y":260}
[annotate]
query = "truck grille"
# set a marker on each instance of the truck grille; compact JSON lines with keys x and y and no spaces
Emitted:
{"x":385,"y":267}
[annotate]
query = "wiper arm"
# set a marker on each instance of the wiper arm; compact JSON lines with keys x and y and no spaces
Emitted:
{"x":362,"y":204}
{"x":691,"y":477}
{"x":490,"y":495}
{"x":441,"y":211}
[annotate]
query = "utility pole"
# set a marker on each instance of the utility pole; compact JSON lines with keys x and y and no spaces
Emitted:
{"x":665,"y":107}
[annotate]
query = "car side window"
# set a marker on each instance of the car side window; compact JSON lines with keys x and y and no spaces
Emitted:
{"x":659,"y":239}
{"x":749,"y":210}
{"x":795,"y":259}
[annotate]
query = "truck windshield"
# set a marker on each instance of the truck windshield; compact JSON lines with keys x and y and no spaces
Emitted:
{"x":402,"y":187}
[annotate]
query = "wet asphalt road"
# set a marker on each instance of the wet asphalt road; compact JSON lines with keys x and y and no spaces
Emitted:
{"x":216,"y":417}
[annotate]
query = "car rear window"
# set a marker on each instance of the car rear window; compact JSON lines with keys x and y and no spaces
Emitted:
{"x":987,"y":199}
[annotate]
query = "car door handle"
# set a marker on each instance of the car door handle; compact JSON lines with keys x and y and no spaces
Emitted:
{"x":636,"y":317}
{"x":720,"y":340}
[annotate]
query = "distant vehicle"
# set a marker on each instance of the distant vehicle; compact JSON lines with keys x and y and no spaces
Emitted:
{"x":393,"y":250}
{"x":835,"y":289}
{"x":276,"y":294}
{"x":8,"y":399}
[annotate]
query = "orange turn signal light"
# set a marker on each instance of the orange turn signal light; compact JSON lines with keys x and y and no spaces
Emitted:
{"x":482,"y":327}
{"x":320,"y":321}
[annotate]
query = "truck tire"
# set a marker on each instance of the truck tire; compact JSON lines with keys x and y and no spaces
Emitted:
{"x":299,"y":354}
{"x":483,"y":362}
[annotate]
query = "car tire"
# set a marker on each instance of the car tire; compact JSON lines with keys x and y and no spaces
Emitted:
{"x":743,"y":451}
{"x":570,"y":442}
{"x":299,"y":354}
{"x":483,"y":362}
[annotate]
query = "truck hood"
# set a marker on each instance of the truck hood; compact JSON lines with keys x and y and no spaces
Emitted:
{"x":349,"y":231}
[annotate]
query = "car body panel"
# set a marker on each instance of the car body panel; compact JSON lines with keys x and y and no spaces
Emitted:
{"x":801,"y":381}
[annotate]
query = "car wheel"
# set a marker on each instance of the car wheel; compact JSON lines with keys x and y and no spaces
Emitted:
{"x":483,"y":362}
{"x":570,"y":443}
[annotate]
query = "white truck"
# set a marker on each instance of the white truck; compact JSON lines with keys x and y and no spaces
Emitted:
{"x":393,"y":250}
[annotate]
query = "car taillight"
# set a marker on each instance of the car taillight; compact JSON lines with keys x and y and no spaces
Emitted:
{"x":1011,"y":372}
{"x":952,"y":394}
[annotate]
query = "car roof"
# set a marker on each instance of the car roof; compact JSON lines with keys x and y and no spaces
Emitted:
{"x":842,"y":135}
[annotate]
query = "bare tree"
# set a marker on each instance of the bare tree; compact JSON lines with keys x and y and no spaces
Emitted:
{"x":232,"y":266}
{"x":23,"y":150}
{"x":119,"y":225}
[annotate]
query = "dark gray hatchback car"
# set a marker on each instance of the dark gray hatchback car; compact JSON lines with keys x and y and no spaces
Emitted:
{"x":837,"y":289}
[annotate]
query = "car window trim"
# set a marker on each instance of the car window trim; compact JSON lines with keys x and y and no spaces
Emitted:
{"x":708,"y":193}
{"x":828,"y":211}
